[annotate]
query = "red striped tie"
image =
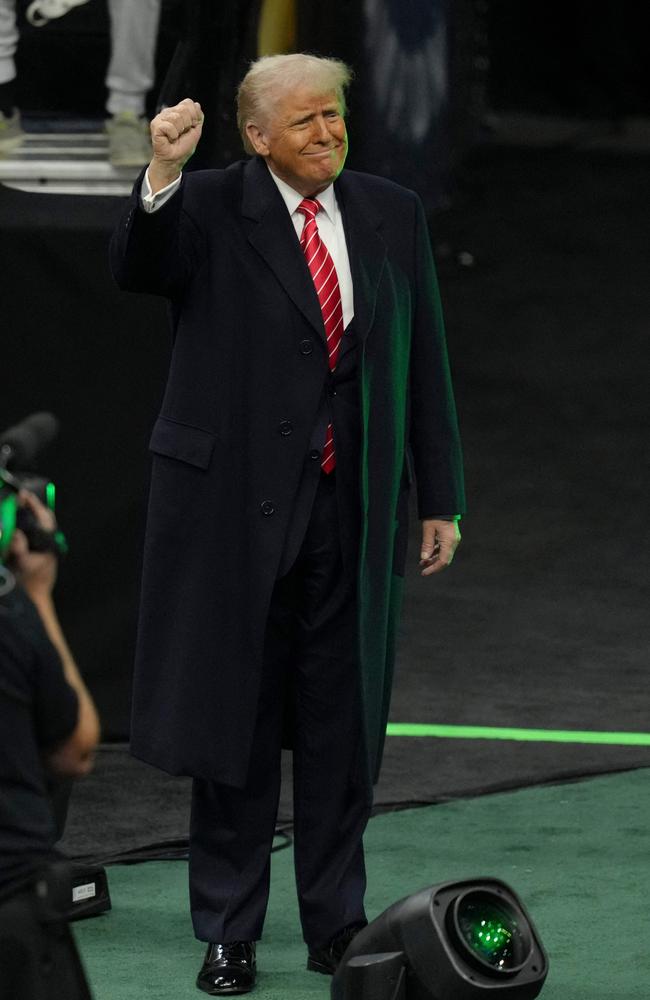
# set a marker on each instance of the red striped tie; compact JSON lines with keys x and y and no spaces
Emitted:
{"x":322,"y":270}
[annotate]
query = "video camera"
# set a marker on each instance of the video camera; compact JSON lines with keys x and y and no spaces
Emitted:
{"x":18,"y":446}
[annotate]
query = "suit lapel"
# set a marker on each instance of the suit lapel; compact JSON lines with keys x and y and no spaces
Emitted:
{"x":271,"y":233}
{"x":366,"y":248}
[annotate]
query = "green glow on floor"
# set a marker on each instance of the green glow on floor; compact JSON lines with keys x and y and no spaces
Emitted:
{"x":526,"y":735}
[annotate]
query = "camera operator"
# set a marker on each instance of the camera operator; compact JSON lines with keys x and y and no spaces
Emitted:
{"x":48,"y":730}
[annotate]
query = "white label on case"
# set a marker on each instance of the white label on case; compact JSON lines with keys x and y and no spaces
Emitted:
{"x":84,"y":892}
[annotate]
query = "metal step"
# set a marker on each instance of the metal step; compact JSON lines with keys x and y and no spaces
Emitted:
{"x":65,"y":163}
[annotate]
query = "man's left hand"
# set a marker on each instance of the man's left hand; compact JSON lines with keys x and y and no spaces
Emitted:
{"x":440,"y":540}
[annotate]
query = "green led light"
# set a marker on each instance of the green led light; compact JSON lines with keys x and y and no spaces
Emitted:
{"x":8,"y":505}
{"x":490,"y":932}
{"x":525,"y":735}
{"x":50,"y":495}
{"x":490,"y":937}
{"x":62,"y":543}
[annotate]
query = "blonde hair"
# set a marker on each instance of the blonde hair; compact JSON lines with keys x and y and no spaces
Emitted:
{"x":272,"y":76}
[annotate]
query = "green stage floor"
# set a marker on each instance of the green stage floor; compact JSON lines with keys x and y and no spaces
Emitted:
{"x":577,"y":854}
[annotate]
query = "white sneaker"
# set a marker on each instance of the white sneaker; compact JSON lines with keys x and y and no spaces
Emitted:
{"x":40,"y":12}
{"x":11,"y":133}
{"x":128,"y":140}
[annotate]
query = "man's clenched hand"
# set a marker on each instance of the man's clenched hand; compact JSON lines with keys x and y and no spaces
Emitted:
{"x":175,"y":133}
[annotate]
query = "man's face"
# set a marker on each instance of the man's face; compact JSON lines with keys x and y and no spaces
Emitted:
{"x":305,"y":141}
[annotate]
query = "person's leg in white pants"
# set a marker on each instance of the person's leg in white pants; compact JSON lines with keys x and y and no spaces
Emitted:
{"x":130,"y":76}
{"x":8,"y":40}
{"x":11,"y":134}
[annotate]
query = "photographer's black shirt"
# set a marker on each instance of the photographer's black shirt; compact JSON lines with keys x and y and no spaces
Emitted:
{"x":38,"y":709}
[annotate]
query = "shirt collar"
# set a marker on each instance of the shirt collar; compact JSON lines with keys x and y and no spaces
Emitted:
{"x":292,"y":198}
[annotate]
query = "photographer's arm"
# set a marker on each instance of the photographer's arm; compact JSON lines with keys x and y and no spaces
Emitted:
{"x":36,"y":571}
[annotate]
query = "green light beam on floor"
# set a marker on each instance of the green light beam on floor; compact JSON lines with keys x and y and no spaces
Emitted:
{"x":526,"y":735}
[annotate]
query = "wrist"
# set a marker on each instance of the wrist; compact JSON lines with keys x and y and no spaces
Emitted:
{"x":161,"y":175}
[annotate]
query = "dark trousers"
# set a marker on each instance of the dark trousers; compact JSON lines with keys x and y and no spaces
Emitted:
{"x":309,"y":685}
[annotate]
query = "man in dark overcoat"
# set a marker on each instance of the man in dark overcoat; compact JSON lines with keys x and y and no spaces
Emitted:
{"x":295,"y":417}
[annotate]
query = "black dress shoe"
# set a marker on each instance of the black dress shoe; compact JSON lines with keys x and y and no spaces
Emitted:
{"x":327,"y":958}
{"x":228,"y":969}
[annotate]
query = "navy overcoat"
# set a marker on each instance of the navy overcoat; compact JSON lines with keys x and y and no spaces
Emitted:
{"x":248,"y":357}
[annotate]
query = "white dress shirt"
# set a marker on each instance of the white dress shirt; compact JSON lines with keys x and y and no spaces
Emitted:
{"x":329,"y":220}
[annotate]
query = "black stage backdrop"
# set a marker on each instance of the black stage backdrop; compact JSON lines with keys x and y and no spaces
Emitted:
{"x":75,"y":345}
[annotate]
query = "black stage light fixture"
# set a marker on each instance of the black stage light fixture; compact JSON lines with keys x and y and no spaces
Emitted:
{"x":469,"y":940}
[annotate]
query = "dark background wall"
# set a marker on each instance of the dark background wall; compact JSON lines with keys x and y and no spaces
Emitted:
{"x":572,"y":57}
{"x":72,"y":344}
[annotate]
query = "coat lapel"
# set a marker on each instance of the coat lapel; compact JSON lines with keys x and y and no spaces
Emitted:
{"x":271,"y":233}
{"x":366,"y":248}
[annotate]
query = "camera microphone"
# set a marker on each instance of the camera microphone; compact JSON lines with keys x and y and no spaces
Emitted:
{"x":19,"y":444}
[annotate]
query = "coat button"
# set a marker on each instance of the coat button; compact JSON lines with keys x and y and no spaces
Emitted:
{"x":267,"y":508}
{"x":314,"y":454}
{"x":285,"y":428}
{"x":331,"y":390}
{"x":306,"y":347}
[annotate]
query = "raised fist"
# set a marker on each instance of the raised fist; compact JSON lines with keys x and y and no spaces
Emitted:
{"x":175,"y":133}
